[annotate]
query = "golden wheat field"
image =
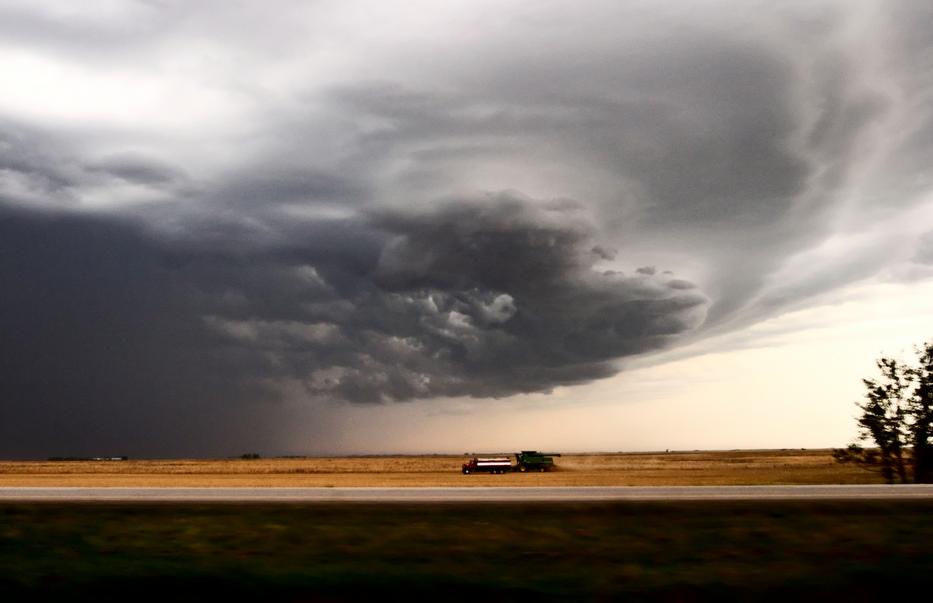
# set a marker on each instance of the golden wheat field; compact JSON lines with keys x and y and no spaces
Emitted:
{"x":740,"y":467}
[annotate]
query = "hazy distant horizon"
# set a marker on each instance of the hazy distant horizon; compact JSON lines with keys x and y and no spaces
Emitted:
{"x":389,"y":453}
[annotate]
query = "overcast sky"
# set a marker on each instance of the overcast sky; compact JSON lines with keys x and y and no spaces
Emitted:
{"x":369,"y":226}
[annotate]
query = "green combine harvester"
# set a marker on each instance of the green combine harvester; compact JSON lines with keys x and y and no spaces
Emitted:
{"x":532,"y":460}
{"x":526,"y":460}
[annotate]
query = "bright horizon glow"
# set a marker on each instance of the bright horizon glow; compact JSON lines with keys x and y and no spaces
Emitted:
{"x":788,"y":382}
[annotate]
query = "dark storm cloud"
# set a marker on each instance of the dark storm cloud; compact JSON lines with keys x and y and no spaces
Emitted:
{"x":704,"y":144}
{"x":716,"y":165}
{"x":278,"y":201}
{"x":504,"y":293}
{"x":736,"y":150}
{"x":110,"y":330}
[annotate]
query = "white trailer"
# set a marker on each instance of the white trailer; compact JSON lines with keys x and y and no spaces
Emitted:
{"x":493,"y":464}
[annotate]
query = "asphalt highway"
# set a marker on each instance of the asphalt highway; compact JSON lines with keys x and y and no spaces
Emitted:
{"x":469,"y":494}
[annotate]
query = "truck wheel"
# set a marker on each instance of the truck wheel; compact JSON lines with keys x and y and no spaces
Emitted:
{"x":466,"y":472}
{"x":523,"y":468}
{"x":542,"y":469}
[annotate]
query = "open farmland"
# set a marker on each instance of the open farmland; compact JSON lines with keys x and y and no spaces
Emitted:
{"x":350,"y":551}
{"x":742,"y":467}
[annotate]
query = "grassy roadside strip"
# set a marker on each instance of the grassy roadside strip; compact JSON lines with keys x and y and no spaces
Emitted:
{"x":581,"y":551}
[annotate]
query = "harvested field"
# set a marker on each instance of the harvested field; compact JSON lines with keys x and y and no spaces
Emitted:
{"x":742,"y":467}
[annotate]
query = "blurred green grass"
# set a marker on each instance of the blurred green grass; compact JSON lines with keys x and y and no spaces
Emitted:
{"x":673,"y":551}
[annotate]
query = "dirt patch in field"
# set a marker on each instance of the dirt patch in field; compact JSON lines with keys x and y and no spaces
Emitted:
{"x":595,"y":469}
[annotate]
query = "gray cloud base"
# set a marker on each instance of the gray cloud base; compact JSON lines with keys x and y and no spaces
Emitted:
{"x":109,"y":329}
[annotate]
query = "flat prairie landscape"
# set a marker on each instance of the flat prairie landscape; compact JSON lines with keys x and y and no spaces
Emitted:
{"x":542,"y":551}
{"x":697,"y":468}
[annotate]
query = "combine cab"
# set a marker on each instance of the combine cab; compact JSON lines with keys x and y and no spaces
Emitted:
{"x":532,"y":460}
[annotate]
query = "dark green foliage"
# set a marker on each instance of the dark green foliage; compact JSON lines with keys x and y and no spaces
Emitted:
{"x":897,"y":416}
{"x":921,"y":409}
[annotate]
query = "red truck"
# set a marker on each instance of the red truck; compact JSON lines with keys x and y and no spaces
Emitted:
{"x":494,"y":464}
